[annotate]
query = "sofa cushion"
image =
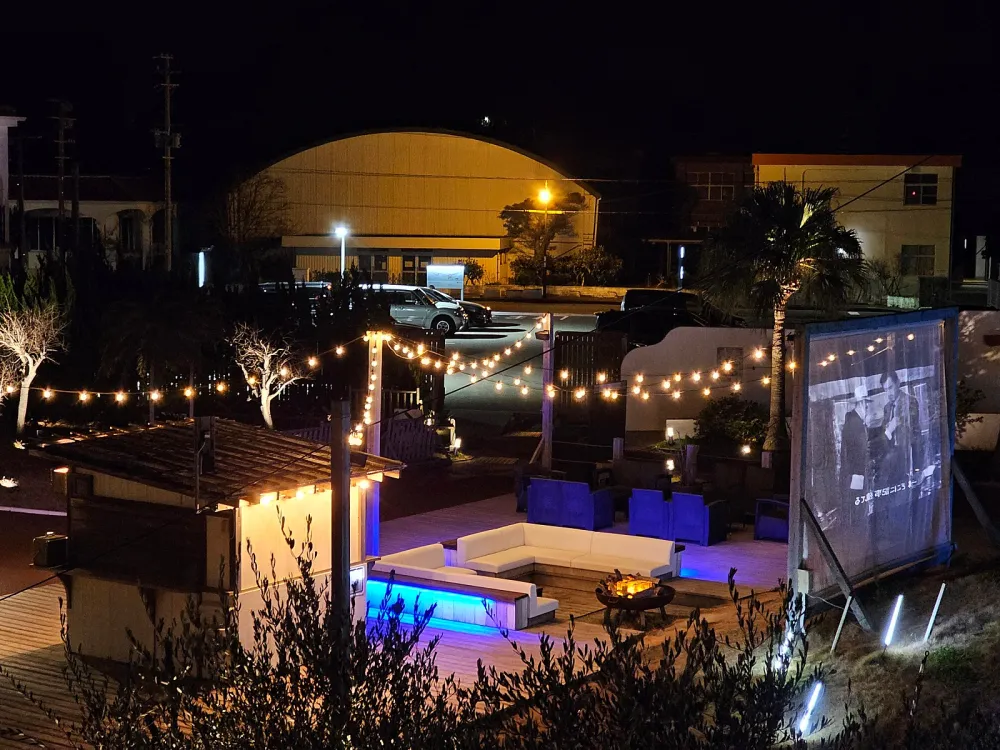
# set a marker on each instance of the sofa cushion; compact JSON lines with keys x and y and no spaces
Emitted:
{"x":635,"y":547}
{"x":550,"y":556}
{"x":609,"y":563}
{"x":557,"y":537}
{"x":488,"y":542}
{"x":456,"y":569}
{"x":428,"y":556}
{"x":502,"y":561}
{"x":431,"y":574}
{"x":544,"y":605}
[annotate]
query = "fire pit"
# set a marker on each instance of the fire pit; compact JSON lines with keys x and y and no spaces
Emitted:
{"x":634,"y":594}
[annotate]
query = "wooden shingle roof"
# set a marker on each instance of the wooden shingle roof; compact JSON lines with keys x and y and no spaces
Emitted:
{"x":248,"y":460}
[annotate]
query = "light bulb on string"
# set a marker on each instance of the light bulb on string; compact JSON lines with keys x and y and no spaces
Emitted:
{"x":283,"y":371}
{"x":879,"y":340}
{"x":524,"y":390}
{"x":706,"y":391}
{"x":517,"y":344}
{"x":84,"y":396}
{"x":507,"y":351}
{"x":601,"y":377}
{"x":220,"y":386}
{"x":614,"y":395}
{"x":765,"y":380}
{"x":499,"y":386}
{"x":645,"y":395}
{"x":420,"y":348}
{"x":871,"y":347}
{"x":636,"y":389}
{"x":473,"y":379}
{"x":564,"y":375}
{"x":850,"y":352}
{"x":437,"y":364}
{"x":395,"y":347}
{"x":410,"y":355}
{"x":10,"y":389}
{"x":910,"y":337}
{"x":189,"y":392}
{"x":727,"y":366}
{"x":758,"y":354}
{"x":517,"y":381}
{"x":677,"y":395}
{"x":792,"y":365}
{"x":737,"y":387}
{"x":677,"y":377}
{"x":696,"y":376}
{"x":339,"y":351}
{"x":665,"y":385}
{"x":639,"y":378}
{"x":715,"y":374}
{"x":461,"y":365}
{"x":579,"y":393}
{"x":425,"y":361}
{"x":527,"y":369}
{"x":155,"y":396}
{"x":486,"y":373}
{"x":47,"y":394}
{"x":312,"y":362}
{"x":374,"y":363}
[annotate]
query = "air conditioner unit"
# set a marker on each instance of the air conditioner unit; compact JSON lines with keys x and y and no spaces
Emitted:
{"x":50,"y":550}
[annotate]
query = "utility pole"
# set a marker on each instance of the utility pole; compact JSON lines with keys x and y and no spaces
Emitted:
{"x":169,"y":140}
{"x":22,"y":224}
{"x":65,"y":122}
{"x":548,"y":373}
{"x":75,"y":210}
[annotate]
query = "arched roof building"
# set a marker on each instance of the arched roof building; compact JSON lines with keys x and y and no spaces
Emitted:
{"x":414,"y":197}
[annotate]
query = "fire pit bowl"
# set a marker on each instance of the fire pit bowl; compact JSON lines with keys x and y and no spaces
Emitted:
{"x":634,"y":594}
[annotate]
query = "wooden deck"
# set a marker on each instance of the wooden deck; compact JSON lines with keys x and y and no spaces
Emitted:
{"x":31,"y":649}
{"x":759,"y":565}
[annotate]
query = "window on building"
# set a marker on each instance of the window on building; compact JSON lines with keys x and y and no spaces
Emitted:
{"x":714,"y":186}
{"x":920,"y":189}
{"x":376,"y":265}
{"x":415,"y":269}
{"x":733,"y":355}
{"x":917,"y":260}
{"x":128,"y":232}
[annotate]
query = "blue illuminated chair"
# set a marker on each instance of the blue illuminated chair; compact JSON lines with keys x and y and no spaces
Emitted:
{"x":696,"y":521}
{"x":650,"y":514}
{"x":560,"y":503}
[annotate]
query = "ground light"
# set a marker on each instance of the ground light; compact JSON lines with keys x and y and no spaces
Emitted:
{"x":810,"y":707}
{"x":891,"y":630}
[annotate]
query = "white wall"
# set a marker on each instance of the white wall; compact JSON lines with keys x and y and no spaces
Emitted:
{"x":685,"y":350}
{"x":979,"y":362}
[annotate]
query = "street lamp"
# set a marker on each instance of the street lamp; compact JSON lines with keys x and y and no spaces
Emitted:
{"x":341,"y":232}
{"x":545,"y":197}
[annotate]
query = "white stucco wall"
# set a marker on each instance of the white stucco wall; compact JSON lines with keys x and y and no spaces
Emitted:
{"x":685,"y":350}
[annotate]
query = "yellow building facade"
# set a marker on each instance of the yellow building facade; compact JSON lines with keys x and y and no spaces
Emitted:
{"x":903,"y":217}
{"x":410,"y":198}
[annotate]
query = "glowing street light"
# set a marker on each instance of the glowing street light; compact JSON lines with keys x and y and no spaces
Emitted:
{"x":341,"y":233}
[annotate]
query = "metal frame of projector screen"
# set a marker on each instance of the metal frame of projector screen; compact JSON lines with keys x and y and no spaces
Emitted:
{"x":800,"y":388}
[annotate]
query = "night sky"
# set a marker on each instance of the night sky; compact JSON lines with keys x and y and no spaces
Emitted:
{"x":606,"y":93}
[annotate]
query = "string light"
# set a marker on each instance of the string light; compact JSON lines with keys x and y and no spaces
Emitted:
{"x":499,"y":386}
{"x":871,"y":347}
{"x":638,"y":378}
{"x":564,"y":375}
{"x":10,"y":389}
{"x":715,"y":374}
{"x":791,"y":365}
{"x":665,"y":385}
{"x":727,"y":366}
{"x":189,"y":392}
{"x":155,"y":396}
{"x":765,"y":380}
{"x":251,"y":380}
{"x":601,"y":377}
{"x":909,"y":337}
{"x":283,"y":371}
{"x":614,"y":395}
{"x":758,"y":354}
{"x":517,"y":344}
{"x":850,"y":352}
{"x":312,"y":361}
{"x":220,"y":386}
{"x":425,"y":360}
{"x":879,"y":340}
{"x":47,"y":394}
{"x":119,"y":397}
{"x":636,"y":390}
{"x":696,"y":376}
{"x":507,"y":351}
{"x":677,"y":377}
{"x":517,"y":381}
{"x":677,"y":395}
{"x":746,"y":450}
{"x":645,"y":395}
{"x":831,"y":357}
{"x":473,"y":379}
{"x":580,"y":393}
{"x":706,"y":391}
{"x":437,"y":364}
{"x":527,"y":369}
{"x":737,"y":387}
{"x":84,"y":396}
{"x":524,"y":391}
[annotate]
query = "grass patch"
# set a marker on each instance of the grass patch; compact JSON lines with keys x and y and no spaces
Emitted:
{"x":952,"y":664}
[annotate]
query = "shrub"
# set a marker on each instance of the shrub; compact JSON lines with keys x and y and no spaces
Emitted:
{"x":731,"y":420}
{"x":474,"y":271}
{"x":966,"y":399}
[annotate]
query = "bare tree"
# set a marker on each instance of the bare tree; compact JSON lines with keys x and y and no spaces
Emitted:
{"x":29,"y":336}
{"x":249,"y":218}
{"x":267,"y":364}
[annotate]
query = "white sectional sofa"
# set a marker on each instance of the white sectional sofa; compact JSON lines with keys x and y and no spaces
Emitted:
{"x":517,"y":549}
{"x":422,"y":572}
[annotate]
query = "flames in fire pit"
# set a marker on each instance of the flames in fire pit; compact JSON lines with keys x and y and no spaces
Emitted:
{"x":626,"y":586}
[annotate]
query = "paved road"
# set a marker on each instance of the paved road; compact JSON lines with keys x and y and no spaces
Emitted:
{"x":481,"y":402}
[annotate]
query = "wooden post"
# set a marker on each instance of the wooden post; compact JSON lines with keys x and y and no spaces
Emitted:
{"x":373,"y":442}
{"x":339,"y":617}
{"x":340,"y":511}
{"x":835,"y":567}
{"x":548,"y":365}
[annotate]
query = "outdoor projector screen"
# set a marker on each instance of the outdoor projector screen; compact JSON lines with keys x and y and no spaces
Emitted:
{"x":876,"y":456}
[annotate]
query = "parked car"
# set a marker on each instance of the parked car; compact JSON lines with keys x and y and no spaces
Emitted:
{"x":411,"y":305}
{"x":647,"y":315}
{"x":479,"y":315}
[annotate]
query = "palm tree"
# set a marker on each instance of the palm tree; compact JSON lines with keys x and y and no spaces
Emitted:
{"x":781,"y":242}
